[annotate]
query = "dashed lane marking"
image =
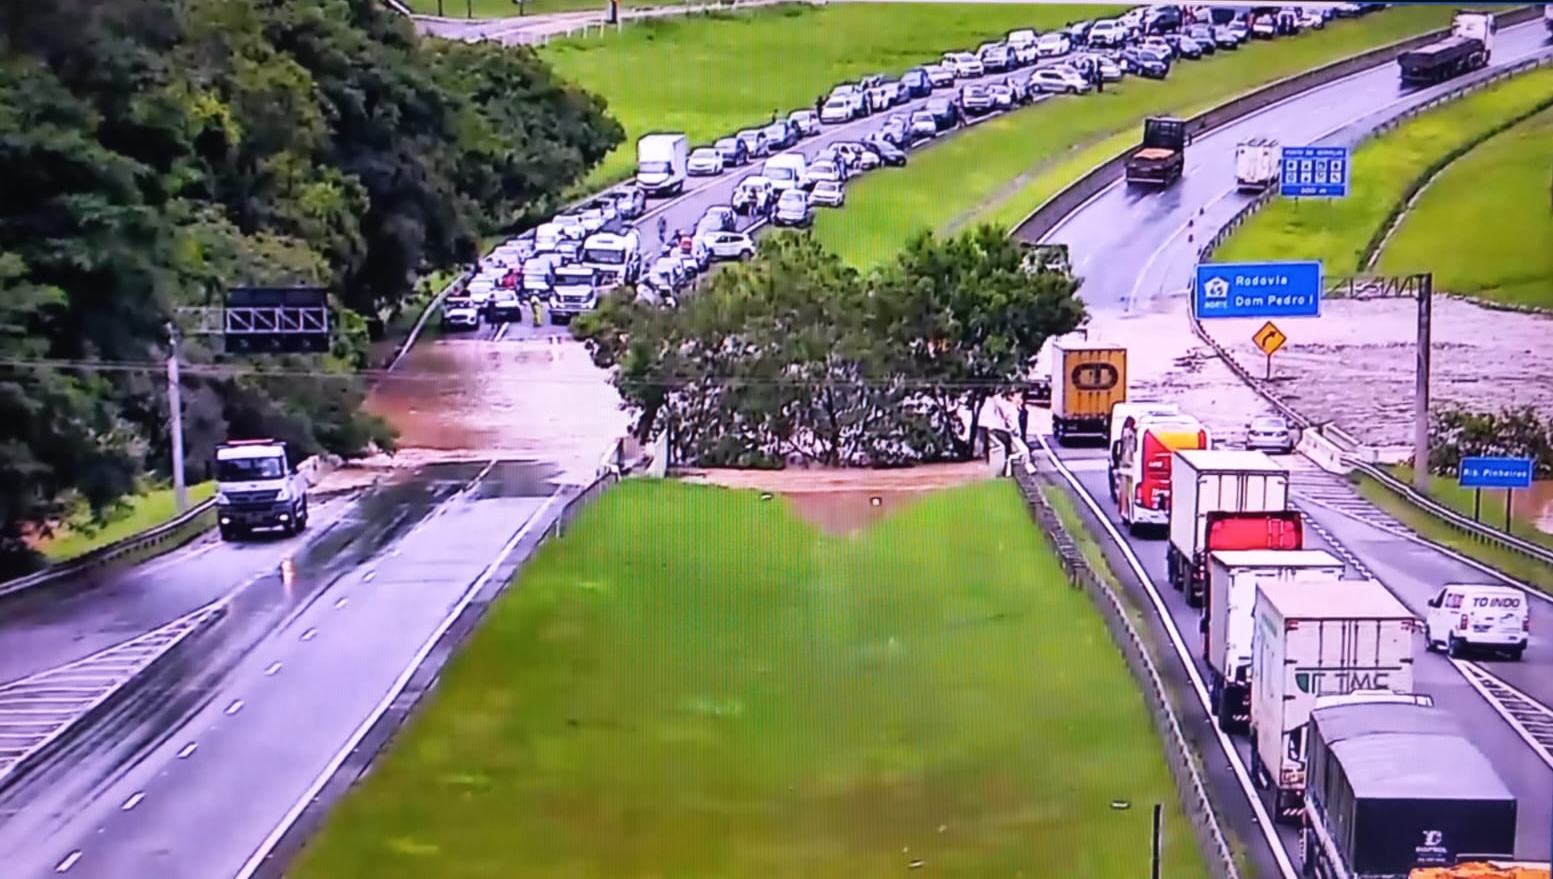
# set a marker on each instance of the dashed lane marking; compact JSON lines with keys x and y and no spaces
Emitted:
{"x":274,"y":667}
{"x":68,"y":862}
{"x":187,"y":750}
{"x":132,"y":802}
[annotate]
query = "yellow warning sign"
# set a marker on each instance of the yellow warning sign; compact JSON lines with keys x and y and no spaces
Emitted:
{"x":1269,"y":338}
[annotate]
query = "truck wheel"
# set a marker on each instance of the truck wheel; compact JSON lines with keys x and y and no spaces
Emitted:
{"x":1515,"y":653}
{"x":1193,"y":599}
{"x":1455,"y":648}
{"x":302,"y":518}
{"x":1256,"y":763}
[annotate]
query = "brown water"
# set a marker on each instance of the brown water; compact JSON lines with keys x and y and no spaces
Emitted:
{"x":538,"y":399}
{"x":1534,"y":504}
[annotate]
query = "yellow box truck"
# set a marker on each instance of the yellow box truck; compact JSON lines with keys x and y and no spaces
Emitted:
{"x":1088,"y":378}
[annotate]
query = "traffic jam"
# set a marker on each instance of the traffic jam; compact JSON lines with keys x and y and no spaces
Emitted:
{"x":799,"y":163}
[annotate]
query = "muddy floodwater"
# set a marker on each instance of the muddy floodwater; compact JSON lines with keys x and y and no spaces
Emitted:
{"x":540,"y":399}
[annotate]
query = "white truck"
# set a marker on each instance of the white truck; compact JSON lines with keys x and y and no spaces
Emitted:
{"x":258,"y":487}
{"x":1256,"y":164}
{"x":1223,"y":500}
{"x":660,"y":163}
{"x":1313,"y":639}
{"x":1233,"y":577}
{"x":614,"y":253}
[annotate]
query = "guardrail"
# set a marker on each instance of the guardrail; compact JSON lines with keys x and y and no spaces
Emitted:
{"x":1353,"y":452}
{"x":136,"y":548}
{"x":1193,"y":794}
{"x":1051,"y":213}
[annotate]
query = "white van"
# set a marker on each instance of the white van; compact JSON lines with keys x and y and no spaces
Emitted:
{"x":785,"y":171}
{"x":1475,"y":616}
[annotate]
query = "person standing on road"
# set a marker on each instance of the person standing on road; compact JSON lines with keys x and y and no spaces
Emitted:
{"x":819,"y":104}
{"x":1024,"y":417}
{"x":663,"y":227}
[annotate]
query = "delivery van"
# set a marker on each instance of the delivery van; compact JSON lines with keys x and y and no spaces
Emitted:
{"x":1470,"y":617}
{"x":1088,"y":380}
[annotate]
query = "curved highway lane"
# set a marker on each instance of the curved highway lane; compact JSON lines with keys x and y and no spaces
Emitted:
{"x":197,"y":775}
{"x":1132,"y":246}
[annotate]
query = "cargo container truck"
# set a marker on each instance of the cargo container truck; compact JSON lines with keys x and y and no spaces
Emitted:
{"x":1142,"y":474}
{"x":1396,"y":787}
{"x":1223,"y":500}
{"x":1312,"y":639}
{"x":1469,"y":47}
{"x":1226,"y":621}
{"x":1088,"y":378}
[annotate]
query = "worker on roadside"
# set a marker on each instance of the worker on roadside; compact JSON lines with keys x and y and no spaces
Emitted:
{"x":1024,"y":417}
{"x":819,"y":104}
{"x":663,"y":226}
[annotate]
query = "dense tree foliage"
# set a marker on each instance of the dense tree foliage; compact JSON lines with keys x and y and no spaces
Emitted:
{"x":156,"y":153}
{"x":794,"y":356}
{"x":1520,"y":432}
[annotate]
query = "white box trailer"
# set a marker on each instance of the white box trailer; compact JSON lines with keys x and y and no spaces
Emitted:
{"x":1204,"y":482}
{"x":1233,"y":577}
{"x":1256,"y":164}
{"x":1313,"y":639}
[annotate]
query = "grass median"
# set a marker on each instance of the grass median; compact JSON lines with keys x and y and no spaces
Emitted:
{"x":1445,"y":491}
{"x":84,"y":532}
{"x":1339,"y":231}
{"x":711,"y":75}
{"x":1004,"y":169}
{"x":1484,"y":226}
{"x":694,"y":682}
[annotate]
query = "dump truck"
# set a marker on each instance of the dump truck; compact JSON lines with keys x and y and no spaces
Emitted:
{"x":1468,"y":48}
{"x":1088,"y":378}
{"x":1143,"y":461}
{"x":1233,"y":577}
{"x":1314,"y":638}
{"x":1222,"y":500}
{"x":1256,"y":164}
{"x":1398,"y":789}
{"x":1161,"y":158}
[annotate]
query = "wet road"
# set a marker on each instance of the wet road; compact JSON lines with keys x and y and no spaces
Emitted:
{"x":1131,"y":246}
{"x":190,"y":779}
{"x":1413,"y":573}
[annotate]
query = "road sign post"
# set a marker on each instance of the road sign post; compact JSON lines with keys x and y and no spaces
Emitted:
{"x":1263,"y":289}
{"x":1483,"y":472}
{"x":1270,"y":339}
{"x":1313,"y":172}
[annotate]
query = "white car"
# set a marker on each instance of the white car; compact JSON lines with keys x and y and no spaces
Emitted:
{"x":1053,"y":44}
{"x":1468,"y":617}
{"x":1058,"y":80}
{"x":460,"y":315}
{"x":729,"y":245}
{"x":792,"y":209}
{"x":923,"y":125}
{"x":704,"y":162}
{"x":805,"y":122}
{"x":940,"y":75}
{"x":836,"y":111}
{"x":1108,"y":33}
{"x":827,"y":193}
{"x":1312,"y":18}
{"x":1269,"y":433}
{"x":820,"y":171}
{"x":964,"y":64}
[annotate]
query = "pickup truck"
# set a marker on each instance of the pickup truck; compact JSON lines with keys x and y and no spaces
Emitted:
{"x":1161,"y":158}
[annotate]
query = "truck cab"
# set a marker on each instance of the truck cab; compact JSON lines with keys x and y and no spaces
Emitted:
{"x":1142,"y":482}
{"x":614,"y":255}
{"x":1161,"y":159}
{"x":576,"y":292}
{"x":258,"y":487}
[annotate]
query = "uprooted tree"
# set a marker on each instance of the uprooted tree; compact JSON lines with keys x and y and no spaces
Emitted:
{"x":795,"y":356}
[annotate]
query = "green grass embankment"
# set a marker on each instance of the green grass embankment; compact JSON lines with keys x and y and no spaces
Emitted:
{"x":693,"y":682}
{"x":1484,"y":225}
{"x":510,"y":8}
{"x":1002,"y":170}
{"x":709,"y":76}
{"x":1445,"y":491}
{"x":83,"y":533}
{"x":1385,"y":170}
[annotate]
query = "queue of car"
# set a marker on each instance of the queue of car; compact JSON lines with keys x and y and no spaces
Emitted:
{"x":567,"y":262}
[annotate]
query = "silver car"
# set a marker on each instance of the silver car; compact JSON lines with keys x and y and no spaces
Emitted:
{"x":828,"y":193}
{"x":705,"y":162}
{"x":1270,"y":433}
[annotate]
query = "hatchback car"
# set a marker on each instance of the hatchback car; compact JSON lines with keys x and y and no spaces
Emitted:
{"x":705,"y":162}
{"x":888,"y":153}
{"x":755,"y":145}
{"x":1225,"y":38}
{"x":1058,"y":80}
{"x":828,"y":193}
{"x":1002,"y":96}
{"x":730,"y":245}
{"x":733,"y":151}
{"x":630,"y":203}
{"x":939,"y":75}
{"x":805,"y":122}
{"x":1053,"y":44}
{"x":792,"y":209}
{"x":836,"y":111}
{"x":975,"y":101}
{"x":917,"y":83}
{"x":945,"y":113}
{"x":819,"y":172}
{"x":924,"y":125}
{"x":993,"y":56}
{"x":964,"y":64}
{"x":1202,"y":34}
{"x":780,"y":135}
{"x":1269,"y":433}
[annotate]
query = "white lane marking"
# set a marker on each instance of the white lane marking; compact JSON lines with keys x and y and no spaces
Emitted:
{"x":341,"y":602}
{"x":1476,"y":676}
{"x":367,"y":577}
{"x":1263,"y":821}
{"x":501,"y":333}
{"x":270,"y":672}
{"x":257,"y":858}
{"x":1165,"y":245}
{"x":187,"y":750}
{"x":309,"y":635}
{"x":236,"y":706}
{"x":68,"y":862}
{"x":132,"y":802}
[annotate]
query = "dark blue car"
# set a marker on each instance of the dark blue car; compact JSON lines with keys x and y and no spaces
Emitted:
{"x":916,"y":82}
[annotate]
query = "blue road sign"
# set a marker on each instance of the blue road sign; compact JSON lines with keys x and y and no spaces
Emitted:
{"x":1485,"y":472}
{"x":1258,"y":289}
{"x":1314,"y":172}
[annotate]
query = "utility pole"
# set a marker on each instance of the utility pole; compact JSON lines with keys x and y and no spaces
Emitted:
{"x":175,"y":413}
{"x":1421,"y":393}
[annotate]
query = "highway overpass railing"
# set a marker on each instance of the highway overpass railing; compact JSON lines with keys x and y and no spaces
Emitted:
{"x":1342,"y":445}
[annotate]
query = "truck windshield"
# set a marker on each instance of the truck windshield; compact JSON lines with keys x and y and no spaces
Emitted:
{"x":604,"y":257}
{"x":250,"y":469}
{"x":779,"y":173}
{"x":654,"y":168}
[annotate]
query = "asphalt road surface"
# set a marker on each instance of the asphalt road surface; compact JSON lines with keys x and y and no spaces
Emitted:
{"x":1133,"y":245}
{"x":191,"y":778}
